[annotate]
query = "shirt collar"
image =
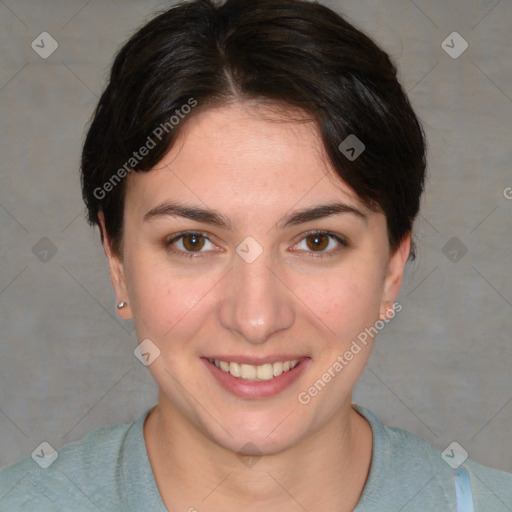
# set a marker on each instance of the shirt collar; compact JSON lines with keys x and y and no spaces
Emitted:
{"x":138,"y":489}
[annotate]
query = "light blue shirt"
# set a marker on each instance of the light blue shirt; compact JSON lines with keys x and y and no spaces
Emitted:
{"x":109,"y":471}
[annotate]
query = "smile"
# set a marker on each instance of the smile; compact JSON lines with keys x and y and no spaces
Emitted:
{"x":250,"y":372}
{"x":256,"y":381}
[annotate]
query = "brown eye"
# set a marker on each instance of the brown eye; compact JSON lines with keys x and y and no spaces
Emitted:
{"x":317,"y":241}
{"x":189,"y":244}
{"x":322,"y":244}
{"x":193,"y":242}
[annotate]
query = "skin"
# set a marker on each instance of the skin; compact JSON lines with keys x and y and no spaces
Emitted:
{"x":254,"y":167}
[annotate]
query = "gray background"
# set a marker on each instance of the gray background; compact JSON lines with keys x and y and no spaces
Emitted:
{"x":441,"y":369}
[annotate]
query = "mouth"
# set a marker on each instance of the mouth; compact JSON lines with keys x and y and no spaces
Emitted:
{"x":256,"y":373}
{"x":256,"y":381}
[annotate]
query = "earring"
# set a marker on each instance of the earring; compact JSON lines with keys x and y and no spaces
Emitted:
{"x":122,"y":304}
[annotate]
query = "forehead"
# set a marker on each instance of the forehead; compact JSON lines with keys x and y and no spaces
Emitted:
{"x":243,"y":157}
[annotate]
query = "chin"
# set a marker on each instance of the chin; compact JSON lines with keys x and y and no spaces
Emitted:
{"x":261,"y":435}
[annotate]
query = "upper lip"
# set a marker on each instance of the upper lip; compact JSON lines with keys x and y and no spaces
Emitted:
{"x":256,"y":361}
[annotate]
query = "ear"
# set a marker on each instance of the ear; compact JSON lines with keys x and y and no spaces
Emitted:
{"x":394,"y":275}
{"x":117,"y":275}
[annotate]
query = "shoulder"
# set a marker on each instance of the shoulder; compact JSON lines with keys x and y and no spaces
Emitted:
{"x":82,"y":472}
{"x":491,"y":487}
{"x":422,"y":477}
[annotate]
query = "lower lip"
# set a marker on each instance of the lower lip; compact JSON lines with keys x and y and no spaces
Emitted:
{"x":257,"y":389}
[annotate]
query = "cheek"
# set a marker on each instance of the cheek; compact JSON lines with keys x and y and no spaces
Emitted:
{"x":346,"y":300}
{"x":163,"y":300}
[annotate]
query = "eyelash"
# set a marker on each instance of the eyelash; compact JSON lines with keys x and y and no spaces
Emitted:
{"x":312,"y":254}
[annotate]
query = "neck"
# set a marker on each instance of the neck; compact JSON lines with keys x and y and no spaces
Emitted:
{"x":327,"y":470}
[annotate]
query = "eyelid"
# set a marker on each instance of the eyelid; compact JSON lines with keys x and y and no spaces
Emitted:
{"x":342,"y":241}
{"x":169,"y":241}
{"x":175,"y":236}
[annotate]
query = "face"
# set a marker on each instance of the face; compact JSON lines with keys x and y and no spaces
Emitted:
{"x":238,"y":275}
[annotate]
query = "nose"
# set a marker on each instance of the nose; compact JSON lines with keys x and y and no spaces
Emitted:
{"x":257,"y":303}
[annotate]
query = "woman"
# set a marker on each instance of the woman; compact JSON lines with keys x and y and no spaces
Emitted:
{"x":255,"y":169}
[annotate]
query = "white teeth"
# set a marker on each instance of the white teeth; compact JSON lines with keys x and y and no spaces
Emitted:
{"x":234,"y":369}
{"x":248,"y":371}
{"x":265,"y":372}
{"x":277,"y":369}
{"x":251,"y":372}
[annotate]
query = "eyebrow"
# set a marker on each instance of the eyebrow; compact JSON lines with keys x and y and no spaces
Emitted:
{"x":209,"y":216}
